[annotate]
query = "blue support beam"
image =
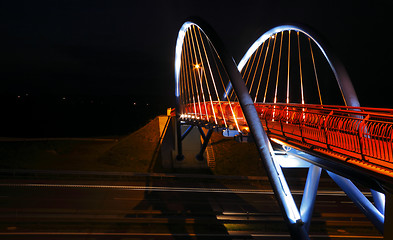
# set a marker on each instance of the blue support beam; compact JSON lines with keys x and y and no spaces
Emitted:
{"x":206,"y":140}
{"x":310,"y":194}
{"x":201,"y":132}
{"x":374,"y":213}
{"x":277,"y":180}
{"x":188,"y":130}
{"x":368,"y":209}
{"x":379,"y":200}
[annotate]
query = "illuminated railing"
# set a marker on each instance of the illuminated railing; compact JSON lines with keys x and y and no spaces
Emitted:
{"x":362,"y":133}
{"x":365,"y":134}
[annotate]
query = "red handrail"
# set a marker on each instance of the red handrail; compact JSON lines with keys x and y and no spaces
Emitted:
{"x":364,"y":134}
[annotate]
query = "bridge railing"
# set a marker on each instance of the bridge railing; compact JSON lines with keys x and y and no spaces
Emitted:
{"x":361,"y":133}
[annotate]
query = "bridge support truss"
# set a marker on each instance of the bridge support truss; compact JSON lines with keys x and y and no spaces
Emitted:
{"x":184,"y":130}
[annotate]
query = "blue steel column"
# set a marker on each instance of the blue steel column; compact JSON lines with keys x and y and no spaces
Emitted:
{"x":379,"y":200}
{"x":309,"y":195}
{"x":277,"y":181}
{"x":296,"y":227}
{"x":206,"y":140}
{"x":188,"y":130}
{"x":360,"y":200}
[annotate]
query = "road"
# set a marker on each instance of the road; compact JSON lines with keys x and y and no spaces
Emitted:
{"x":160,"y":207}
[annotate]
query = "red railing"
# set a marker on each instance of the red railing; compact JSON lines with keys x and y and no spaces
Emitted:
{"x":365,"y":134}
{"x":362,"y":133}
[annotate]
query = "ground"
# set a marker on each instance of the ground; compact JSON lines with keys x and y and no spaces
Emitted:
{"x":132,"y":153}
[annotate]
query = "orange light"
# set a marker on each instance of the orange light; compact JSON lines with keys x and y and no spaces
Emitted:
{"x":197,"y":66}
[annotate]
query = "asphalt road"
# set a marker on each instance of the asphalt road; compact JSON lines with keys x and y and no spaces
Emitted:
{"x":70,"y":207}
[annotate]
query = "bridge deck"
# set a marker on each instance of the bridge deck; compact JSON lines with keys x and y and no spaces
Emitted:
{"x":356,"y":135}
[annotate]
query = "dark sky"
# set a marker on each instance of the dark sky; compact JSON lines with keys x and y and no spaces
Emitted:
{"x":127,"y":47}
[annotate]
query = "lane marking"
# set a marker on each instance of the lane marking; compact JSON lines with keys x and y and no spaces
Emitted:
{"x":168,"y":189}
{"x":229,"y":234}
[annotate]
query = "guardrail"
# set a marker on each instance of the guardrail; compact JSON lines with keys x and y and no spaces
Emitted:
{"x":362,"y":133}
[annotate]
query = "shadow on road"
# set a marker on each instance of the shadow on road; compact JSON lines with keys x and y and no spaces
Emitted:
{"x":191,"y":215}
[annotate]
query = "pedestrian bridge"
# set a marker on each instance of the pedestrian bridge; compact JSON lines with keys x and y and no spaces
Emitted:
{"x":356,"y":135}
{"x":288,"y":90}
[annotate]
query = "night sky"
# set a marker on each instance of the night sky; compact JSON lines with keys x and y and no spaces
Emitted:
{"x":127,"y":47}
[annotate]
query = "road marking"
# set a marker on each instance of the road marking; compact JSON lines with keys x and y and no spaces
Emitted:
{"x":168,"y":189}
{"x":140,"y":188}
{"x":229,"y":234}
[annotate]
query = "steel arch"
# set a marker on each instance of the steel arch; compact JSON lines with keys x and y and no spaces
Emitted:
{"x":276,"y":177}
{"x":350,"y":98}
{"x":340,"y":73}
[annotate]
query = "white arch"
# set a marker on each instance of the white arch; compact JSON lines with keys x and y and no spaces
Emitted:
{"x":178,"y":50}
{"x":341,"y":75}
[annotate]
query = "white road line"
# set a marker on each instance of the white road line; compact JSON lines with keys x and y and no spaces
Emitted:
{"x":233,"y":234}
{"x":168,"y":189}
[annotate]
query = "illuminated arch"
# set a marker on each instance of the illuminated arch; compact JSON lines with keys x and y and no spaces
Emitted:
{"x":340,"y":73}
{"x":279,"y":185}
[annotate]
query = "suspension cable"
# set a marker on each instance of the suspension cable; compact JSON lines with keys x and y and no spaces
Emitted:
{"x":263,"y":67}
{"x":300,"y":69}
{"x":187,"y":98}
{"x":181,"y":78}
{"x":245,"y":69}
{"x":204,"y":74}
{"x":249,"y":72}
{"x":278,"y":69}
{"x":270,"y":67}
{"x":213,"y":80}
{"x":199,"y":73}
{"x":256,"y":68}
{"x":252,"y":64}
{"x":315,"y":72}
{"x":222,"y":82}
{"x":186,"y":81}
{"x":188,"y":75}
{"x":192,"y":72}
{"x":183,"y":91}
{"x":289,"y":63}
{"x":224,"y":87}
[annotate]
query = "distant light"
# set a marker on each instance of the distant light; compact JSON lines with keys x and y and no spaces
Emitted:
{"x":134,"y":103}
{"x":197,"y":66}
{"x":64,"y":98}
{"x":18,"y":96}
